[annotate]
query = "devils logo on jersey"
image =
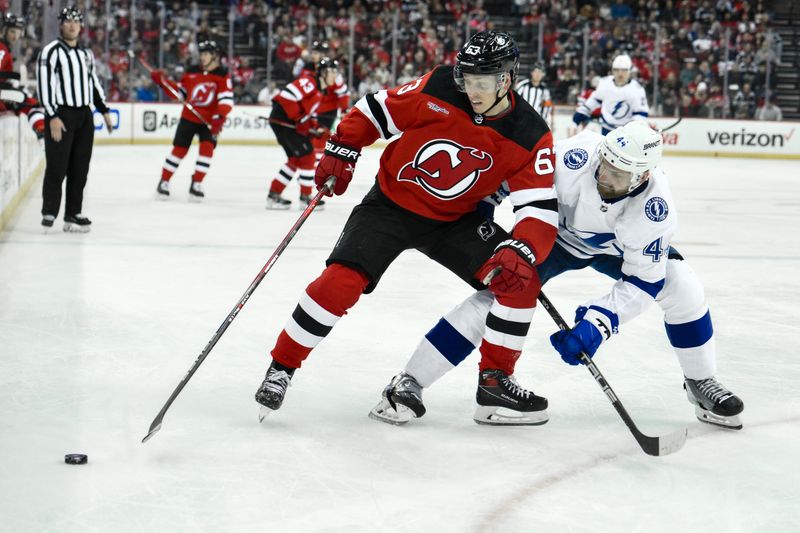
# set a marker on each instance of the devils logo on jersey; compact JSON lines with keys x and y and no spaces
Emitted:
{"x":203,"y":94}
{"x":446,"y":169}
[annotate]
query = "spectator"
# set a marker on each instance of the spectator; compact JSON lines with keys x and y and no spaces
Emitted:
{"x":769,"y":111}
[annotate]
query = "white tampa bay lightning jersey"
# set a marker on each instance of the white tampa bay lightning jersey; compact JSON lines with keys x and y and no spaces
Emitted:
{"x":637,"y":227}
{"x":618,"y":105}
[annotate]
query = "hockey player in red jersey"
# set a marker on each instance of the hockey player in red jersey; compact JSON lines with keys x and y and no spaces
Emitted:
{"x":19,"y":102}
{"x":464,"y":132}
{"x":335,"y":98}
{"x":294,"y":121}
{"x":208,"y":88}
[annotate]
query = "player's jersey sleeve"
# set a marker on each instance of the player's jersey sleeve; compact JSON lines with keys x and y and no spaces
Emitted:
{"x":639,"y":107}
{"x":383,"y":114}
{"x":645,"y":232}
{"x":533,"y":197}
{"x":594,"y":101}
{"x":224,"y":95}
{"x":342,"y":94}
{"x":6,"y":59}
{"x":291,"y":97}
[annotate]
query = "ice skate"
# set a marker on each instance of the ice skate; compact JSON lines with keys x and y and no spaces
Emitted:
{"x":47,"y":223}
{"x":272,"y":391}
{"x":162,"y":190}
{"x":713,"y":403}
{"x":196,"y":193}
{"x":76,"y":224}
{"x":503,"y":402}
{"x":305,"y":200}
{"x":400,"y":402}
{"x":277,"y":202}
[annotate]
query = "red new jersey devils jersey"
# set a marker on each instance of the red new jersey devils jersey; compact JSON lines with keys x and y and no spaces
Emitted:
{"x":6,"y":59}
{"x":448,"y":158}
{"x":211,"y":93}
{"x":300,"y":98}
{"x":337,"y":96}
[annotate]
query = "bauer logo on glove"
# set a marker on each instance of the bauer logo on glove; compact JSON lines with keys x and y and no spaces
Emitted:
{"x":341,"y":151}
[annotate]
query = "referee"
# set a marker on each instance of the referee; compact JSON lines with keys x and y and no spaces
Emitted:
{"x":67,"y":83}
{"x":535,"y":91}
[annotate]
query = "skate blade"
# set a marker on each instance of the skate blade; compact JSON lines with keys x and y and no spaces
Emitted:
{"x":500,"y":416}
{"x":278,"y":207}
{"x":195,"y":199}
{"x":727,"y":422}
{"x":161,"y":197}
{"x":383,"y":412}
{"x":74,"y":228}
{"x":263,"y":413}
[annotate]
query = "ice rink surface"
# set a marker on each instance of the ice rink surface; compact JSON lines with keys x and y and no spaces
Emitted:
{"x":98,"y":329}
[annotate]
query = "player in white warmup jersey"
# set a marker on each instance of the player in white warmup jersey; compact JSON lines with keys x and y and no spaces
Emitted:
{"x":619,"y":98}
{"x":616,"y":214}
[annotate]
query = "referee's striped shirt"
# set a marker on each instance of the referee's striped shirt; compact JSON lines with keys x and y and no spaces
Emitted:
{"x":538,"y":97}
{"x":66,"y":76}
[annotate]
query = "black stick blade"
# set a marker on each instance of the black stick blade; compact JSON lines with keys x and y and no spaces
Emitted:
{"x":154,"y":427}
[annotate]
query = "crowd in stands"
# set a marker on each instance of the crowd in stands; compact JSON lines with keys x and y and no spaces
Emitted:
{"x":691,"y":62}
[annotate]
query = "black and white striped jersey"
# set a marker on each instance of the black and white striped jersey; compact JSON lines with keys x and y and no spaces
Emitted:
{"x":66,"y":76}
{"x":537,"y":96}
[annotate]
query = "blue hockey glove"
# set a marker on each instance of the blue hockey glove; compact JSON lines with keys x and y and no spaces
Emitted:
{"x":593,"y":326}
{"x":579,"y":118}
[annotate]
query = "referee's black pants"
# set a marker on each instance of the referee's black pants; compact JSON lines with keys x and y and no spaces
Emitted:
{"x":68,"y":157}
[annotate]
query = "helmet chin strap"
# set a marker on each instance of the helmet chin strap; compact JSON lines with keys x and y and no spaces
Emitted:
{"x":497,"y":100}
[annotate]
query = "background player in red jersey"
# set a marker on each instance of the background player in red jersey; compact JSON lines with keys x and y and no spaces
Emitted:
{"x":464,"y":132}
{"x":335,"y":98}
{"x":209,"y":89}
{"x":294,"y":121}
{"x":12,"y":29}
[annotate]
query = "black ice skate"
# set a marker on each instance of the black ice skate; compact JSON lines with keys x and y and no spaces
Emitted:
{"x":400,"y":402}
{"x":76,"y":224}
{"x":305,"y":200}
{"x":196,"y":193}
{"x":713,"y":403}
{"x":162,"y":190}
{"x":276,"y":201}
{"x":272,"y":391}
{"x":47,"y":222}
{"x":502,"y":402}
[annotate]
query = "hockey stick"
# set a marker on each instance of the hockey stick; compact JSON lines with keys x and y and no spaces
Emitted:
{"x":156,"y":425}
{"x":317,"y":132}
{"x":170,"y":89}
{"x":651,"y":445}
{"x":672,"y":125}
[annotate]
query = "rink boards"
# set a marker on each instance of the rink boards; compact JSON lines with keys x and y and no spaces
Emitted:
{"x":146,"y":123}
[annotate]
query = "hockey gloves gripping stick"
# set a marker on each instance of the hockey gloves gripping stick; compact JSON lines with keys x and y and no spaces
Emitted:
{"x":593,"y":325}
{"x":338,"y":162}
{"x":510,"y":269}
{"x":663,"y":445}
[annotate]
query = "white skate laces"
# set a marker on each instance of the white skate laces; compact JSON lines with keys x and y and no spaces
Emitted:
{"x":713,"y":390}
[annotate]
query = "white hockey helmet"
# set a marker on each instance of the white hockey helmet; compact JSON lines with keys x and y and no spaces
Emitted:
{"x":623,"y":62}
{"x":634,"y":147}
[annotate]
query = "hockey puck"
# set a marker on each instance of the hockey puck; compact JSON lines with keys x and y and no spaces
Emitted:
{"x":76,"y":459}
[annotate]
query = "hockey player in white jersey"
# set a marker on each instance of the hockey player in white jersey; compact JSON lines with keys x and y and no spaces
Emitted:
{"x":619,"y":98}
{"x":616,"y":214}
